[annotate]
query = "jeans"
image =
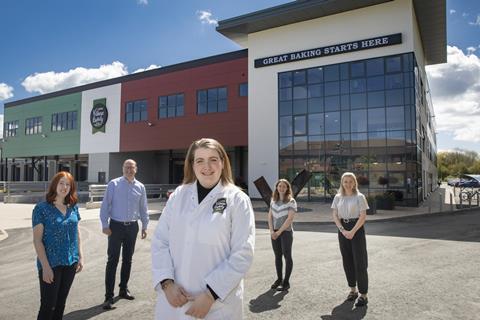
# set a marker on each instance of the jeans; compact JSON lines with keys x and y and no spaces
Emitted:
{"x":123,"y":237}
{"x":282,"y":247}
{"x":54,"y":295}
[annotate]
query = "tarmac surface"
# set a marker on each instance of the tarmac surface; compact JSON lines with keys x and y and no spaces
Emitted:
{"x":421,"y":266}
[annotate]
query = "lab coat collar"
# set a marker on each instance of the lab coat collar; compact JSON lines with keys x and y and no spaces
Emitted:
{"x":194,"y":192}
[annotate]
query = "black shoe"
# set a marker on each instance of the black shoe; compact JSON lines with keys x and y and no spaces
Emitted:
{"x":108,"y":304}
{"x":361,"y":302}
{"x":352,"y":296}
{"x":284,"y":287}
{"x":125,"y":294}
{"x":276,"y":284}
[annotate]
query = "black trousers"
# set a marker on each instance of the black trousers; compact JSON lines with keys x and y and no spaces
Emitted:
{"x":354,"y":256}
{"x":123,"y":238}
{"x":282,"y":247}
{"x":54,"y":295}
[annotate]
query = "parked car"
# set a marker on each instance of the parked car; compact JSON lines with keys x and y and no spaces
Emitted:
{"x":452,"y":182}
{"x":469,"y":184}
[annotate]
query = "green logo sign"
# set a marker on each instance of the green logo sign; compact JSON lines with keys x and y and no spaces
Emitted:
{"x":99,"y":115}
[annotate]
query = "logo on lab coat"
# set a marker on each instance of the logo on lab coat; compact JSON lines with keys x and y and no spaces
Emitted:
{"x":220,"y":205}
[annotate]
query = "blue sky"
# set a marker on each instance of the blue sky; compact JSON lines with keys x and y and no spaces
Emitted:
{"x":49,"y":45}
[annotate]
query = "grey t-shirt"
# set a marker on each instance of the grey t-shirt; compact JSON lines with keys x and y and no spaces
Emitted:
{"x":349,"y":207}
{"x":280,"y":212}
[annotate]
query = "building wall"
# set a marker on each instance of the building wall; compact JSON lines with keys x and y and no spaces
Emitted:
{"x":46,"y":143}
{"x":98,"y":162}
{"x":230,"y":127}
{"x":101,"y":142}
{"x":394,"y":17}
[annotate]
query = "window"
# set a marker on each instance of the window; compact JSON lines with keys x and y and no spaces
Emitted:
{"x":243,"y":89}
{"x":136,"y":111}
{"x":212,"y":100}
{"x":64,"y":121}
{"x":171,"y":106}
{"x":10,"y":129}
{"x":33,"y":125}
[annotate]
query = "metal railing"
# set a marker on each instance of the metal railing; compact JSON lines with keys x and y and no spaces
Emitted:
{"x":97,"y":191}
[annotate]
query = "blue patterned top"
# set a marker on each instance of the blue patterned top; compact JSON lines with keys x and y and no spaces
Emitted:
{"x":60,"y":233}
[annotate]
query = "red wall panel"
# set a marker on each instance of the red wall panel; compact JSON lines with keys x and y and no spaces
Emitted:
{"x":230,"y":128}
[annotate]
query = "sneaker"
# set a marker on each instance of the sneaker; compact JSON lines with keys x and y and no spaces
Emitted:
{"x":125,"y":294}
{"x":276,"y":284}
{"x":361,"y":302}
{"x":108,"y":304}
{"x":284,"y":287}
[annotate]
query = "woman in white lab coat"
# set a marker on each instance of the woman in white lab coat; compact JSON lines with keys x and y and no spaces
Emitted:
{"x":204,"y":241}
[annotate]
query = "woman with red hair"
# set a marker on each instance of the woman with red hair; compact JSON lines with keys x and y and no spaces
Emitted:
{"x":56,"y":239}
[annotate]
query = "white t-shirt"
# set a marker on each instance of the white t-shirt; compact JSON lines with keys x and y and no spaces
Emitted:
{"x":349,"y":207}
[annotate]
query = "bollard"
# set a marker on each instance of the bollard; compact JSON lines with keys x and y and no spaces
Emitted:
{"x":441,"y":204}
{"x":430,"y":205}
{"x":451,"y":202}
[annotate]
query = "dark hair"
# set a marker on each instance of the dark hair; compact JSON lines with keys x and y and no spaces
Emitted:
{"x":71,"y":198}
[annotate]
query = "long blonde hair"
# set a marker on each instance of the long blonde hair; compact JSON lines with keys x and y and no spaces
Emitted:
{"x":207,"y":143}
{"x":341,"y":190}
{"x":288,"y":193}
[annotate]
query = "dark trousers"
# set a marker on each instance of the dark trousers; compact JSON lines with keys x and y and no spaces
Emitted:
{"x":54,"y":295}
{"x":282,"y":246}
{"x":354,"y":256}
{"x":123,"y":237}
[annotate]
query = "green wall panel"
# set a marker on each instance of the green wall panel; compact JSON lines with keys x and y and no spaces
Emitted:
{"x":47,"y":143}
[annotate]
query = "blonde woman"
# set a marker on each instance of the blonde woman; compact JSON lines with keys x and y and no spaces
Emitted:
{"x":280,"y":219}
{"x":203,"y":245}
{"x":349,"y":214}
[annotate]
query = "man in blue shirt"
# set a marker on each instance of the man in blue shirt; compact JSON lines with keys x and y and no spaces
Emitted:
{"x":124,"y":202}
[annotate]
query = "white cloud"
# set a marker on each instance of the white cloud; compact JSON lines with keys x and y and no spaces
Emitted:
{"x":6,"y":91}
{"x":476,"y":22}
{"x":143,"y":2}
{"x":150,"y":67}
{"x":452,"y":11}
{"x":455,"y":90}
{"x":465,"y":14}
{"x":205,"y":17}
{"x":53,"y":81}
{"x":471,"y":50}
{"x":1,"y":126}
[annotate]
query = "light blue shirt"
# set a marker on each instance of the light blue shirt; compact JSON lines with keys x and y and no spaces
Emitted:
{"x":124,"y":201}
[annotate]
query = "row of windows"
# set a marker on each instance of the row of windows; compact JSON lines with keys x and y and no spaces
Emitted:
{"x":60,"y":122}
{"x":208,"y":101}
{"x":363,"y":120}
{"x":349,"y":70}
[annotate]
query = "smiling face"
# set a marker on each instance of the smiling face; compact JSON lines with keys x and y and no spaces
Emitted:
{"x":129,"y":169}
{"x":207,"y":166}
{"x":348,"y":184}
{"x":63,"y":188}
{"x":282,"y":189}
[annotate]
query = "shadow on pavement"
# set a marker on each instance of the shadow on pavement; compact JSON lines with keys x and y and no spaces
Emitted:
{"x":269,"y":300}
{"x":344,"y":311}
{"x":89,"y":312}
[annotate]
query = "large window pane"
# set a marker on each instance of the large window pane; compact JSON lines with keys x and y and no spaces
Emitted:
{"x":394,"y":97}
{"x":376,"y":83}
{"x":331,"y":73}
{"x":285,"y":79}
{"x":332,"y":122}
{"x":375,"y":67}
{"x":376,"y":119}
{"x":300,"y":106}
{"x":300,"y":125}
{"x":286,"y":127}
{"x":376,"y":99}
{"x":359,"y":120}
{"x":315,"y":105}
{"x":358,"y":101}
{"x":395,"y":118}
{"x":332,"y":103}
{"x":393,"y":64}
{"x":315,"y":124}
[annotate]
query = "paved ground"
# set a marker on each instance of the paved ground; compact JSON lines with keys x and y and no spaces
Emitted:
{"x":420,"y":267}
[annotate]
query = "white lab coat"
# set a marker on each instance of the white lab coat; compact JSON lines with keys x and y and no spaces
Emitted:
{"x":196,"y":245}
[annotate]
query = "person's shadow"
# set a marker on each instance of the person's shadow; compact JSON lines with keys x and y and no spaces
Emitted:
{"x":269,"y":300}
{"x":89,"y":312}
{"x":345,"y":311}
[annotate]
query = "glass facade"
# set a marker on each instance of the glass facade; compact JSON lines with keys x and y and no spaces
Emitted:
{"x":358,"y":116}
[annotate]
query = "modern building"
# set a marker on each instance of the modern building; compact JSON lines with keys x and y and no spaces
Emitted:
{"x":328,"y":86}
